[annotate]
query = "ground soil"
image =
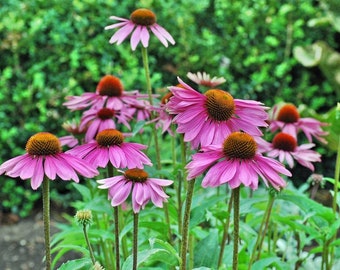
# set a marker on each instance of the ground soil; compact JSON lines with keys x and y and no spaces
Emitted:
{"x":22,"y":241}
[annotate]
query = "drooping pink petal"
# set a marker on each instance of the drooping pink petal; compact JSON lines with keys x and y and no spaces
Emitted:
{"x":122,"y":33}
{"x":38,"y":173}
{"x":145,"y":37}
{"x":121,"y":194}
{"x":136,"y":37}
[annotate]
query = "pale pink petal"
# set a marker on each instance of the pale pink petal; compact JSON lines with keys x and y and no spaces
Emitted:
{"x":145,"y":37}
{"x":121,"y":194}
{"x":110,"y":182}
{"x":136,"y":37}
{"x":122,"y":33}
{"x":38,"y":173}
{"x":11,"y":163}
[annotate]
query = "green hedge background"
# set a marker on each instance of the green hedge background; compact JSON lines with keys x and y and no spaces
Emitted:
{"x":52,"y":49}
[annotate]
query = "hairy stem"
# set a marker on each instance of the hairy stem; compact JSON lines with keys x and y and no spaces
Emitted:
{"x":135,"y":242}
{"x":186,"y":220}
{"x":46,"y":219}
{"x":236,"y":196}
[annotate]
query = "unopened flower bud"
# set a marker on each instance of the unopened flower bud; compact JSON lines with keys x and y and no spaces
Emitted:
{"x":84,"y":217}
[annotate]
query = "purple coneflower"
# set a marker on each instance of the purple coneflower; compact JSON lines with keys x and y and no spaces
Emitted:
{"x":163,"y":119}
{"x":97,"y":120}
{"x":208,"y":118}
{"x":285,"y":148}
{"x":109,"y":93}
{"x":236,"y":162}
{"x":288,"y":120}
{"x":205,"y":80}
{"x":143,"y":189}
{"x":45,"y":158}
{"x":109,"y":146}
{"x":140,"y":21}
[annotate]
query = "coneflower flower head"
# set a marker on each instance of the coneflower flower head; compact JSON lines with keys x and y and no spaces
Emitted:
{"x":288,"y":120}
{"x":109,"y":93}
{"x":236,"y":161}
{"x":143,"y":189}
{"x":141,"y":20}
{"x":208,"y":118}
{"x":44,"y":157}
{"x":203,"y":78}
{"x":109,"y":146}
{"x":285,"y":147}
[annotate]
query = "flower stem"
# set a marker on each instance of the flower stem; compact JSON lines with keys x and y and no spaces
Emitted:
{"x":186,"y":220}
{"x":266,"y":224}
{"x":236,"y":196}
{"x":336,"y":178}
{"x":135,"y":241}
{"x":225,"y":232}
{"x":110,"y":171}
{"x":46,"y":219}
{"x":116,"y":222}
{"x":335,"y":195}
{"x":262,"y":231}
{"x":149,"y":90}
{"x":88,"y":244}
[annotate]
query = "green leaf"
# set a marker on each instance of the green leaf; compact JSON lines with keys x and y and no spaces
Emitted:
{"x":138,"y":127}
{"x":210,"y":244}
{"x":83,"y":190}
{"x":309,"y":206}
{"x":79,"y":264}
{"x":158,"y":243}
{"x":144,"y":256}
{"x":265,"y":263}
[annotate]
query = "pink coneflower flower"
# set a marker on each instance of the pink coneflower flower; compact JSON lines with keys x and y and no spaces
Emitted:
{"x":285,"y":148}
{"x":205,"y":80}
{"x":44,"y":158}
{"x":99,"y":119}
{"x":236,"y":162}
{"x":288,"y":120}
{"x":164,"y":119}
{"x":143,"y":189}
{"x":208,"y":118}
{"x":73,"y":127}
{"x":69,"y":141}
{"x":109,"y":146}
{"x":140,"y":21}
{"x":140,"y":110}
{"x":109,"y":93}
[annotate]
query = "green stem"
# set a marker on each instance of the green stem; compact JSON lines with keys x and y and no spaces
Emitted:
{"x":336,"y":178}
{"x":266,"y":224}
{"x":89,"y":245}
{"x":110,"y":171}
{"x":191,"y":252}
{"x":135,"y":241}
{"x":46,"y":219}
{"x":225,"y":232}
{"x":149,"y":90}
{"x":154,"y":130}
{"x":335,"y":196}
{"x":236,"y":195}
{"x":186,"y":220}
{"x":261,"y":232}
{"x":116,"y":223}
{"x":124,"y":242}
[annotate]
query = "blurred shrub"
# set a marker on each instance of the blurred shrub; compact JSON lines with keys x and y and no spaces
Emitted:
{"x":51,"y":49}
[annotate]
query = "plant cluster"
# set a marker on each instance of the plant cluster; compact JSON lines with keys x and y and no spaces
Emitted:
{"x":186,"y":175}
